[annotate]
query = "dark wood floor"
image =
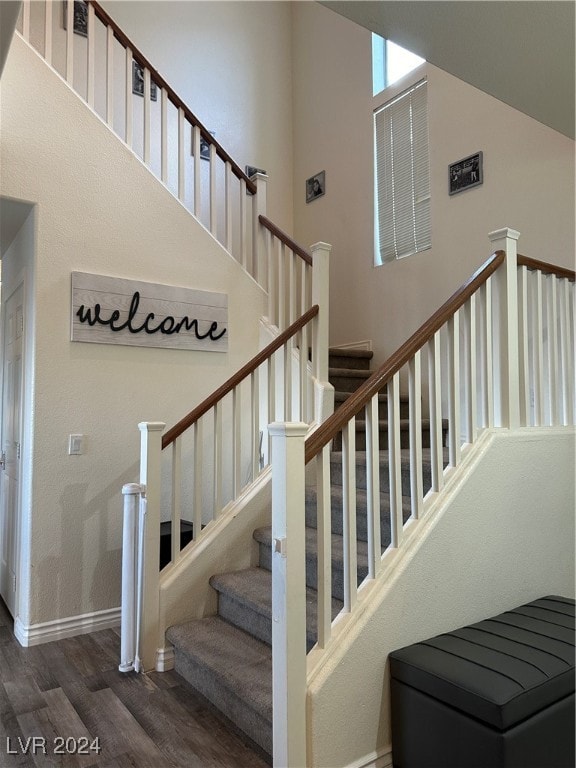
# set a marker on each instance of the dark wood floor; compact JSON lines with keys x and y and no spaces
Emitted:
{"x":69,"y":697}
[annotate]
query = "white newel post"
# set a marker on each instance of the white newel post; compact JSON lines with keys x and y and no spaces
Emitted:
{"x":259,"y":265}
{"x":129,"y":612}
{"x":288,"y":595}
{"x":506,"y":362}
{"x":150,"y":481}
{"x":323,"y":391}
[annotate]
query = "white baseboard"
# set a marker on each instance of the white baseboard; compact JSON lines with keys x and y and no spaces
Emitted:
{"x":381,"y":758}
{"x":48,"y":631}
{"x":164,"y":659}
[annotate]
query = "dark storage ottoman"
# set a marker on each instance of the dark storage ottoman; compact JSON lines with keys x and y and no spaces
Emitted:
{"x":498,"y":694}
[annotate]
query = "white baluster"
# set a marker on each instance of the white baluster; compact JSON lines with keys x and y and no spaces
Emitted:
{"x":488,"y":357}
{"x":176,"y":498}
{"x":349,"y":514}
{"x":566,"y":357}
{"x":453,"y":327}
{"x":321,"y":296}
{"x":243,"y":226}
{"x":182,"y":156}
{"x":538,"y":355}
{"x":48,"y":32}
{"x":373,"y":487}
{"x":471,"y":370}
{"x":69,"y":39}
{"x":198,"y":477}
{"x":197,"y":171}
{"x":147,"y":109}
{"x":90,"y":75}
{"x":523,"y":347}
{"x":281,"y":269}
{"x":324,"y":546}
{"x":415,"y":419}
{"x":228,"y":182}
{"x":212,"y":196}
{"x":217,"y":497}
{"x":395,"y":462}
{"x":255,"y":406}
{"x":110,"y":76}
{"x":435,"y":398}
{"x":163,"y":135}
{"x":128,"y":106}
{"x":259,"y":207}
{"x":304,"y":415}
{"x":237,"y":439}
{"x":552,"y":334}
{"x":288,"y":596}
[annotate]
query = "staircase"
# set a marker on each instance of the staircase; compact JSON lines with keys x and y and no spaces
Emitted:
{"x":228,"y":657}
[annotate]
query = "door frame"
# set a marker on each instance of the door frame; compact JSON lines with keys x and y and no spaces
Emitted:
{"x":6,"y":292}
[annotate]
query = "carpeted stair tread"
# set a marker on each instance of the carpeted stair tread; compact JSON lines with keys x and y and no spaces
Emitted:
{"x":350,"y":358}
{"x":231,"y":669}
{"x":336,"y":506}
{"x":264,"y":538}
{"x":245,"y":599}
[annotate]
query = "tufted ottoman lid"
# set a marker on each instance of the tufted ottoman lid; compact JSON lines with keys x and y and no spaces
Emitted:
{"x":501,"y":670}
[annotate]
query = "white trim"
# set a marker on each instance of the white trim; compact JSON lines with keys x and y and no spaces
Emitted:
{"x":47,"y":631}
{"x":380,"y":758}
{"x":365,"y":345}
{"x":164,"y":659}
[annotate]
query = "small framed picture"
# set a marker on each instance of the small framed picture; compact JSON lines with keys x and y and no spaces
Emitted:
{"x":315,"y":186}
{"x":251,"y":170}
{"x":465,"y":174}
{"x":204,"y":146}
{"x":138,"y":82}
{"x":80,"y":16}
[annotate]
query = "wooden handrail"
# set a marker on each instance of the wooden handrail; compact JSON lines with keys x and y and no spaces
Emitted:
{"x":277,"y":232}
{"x":157,"y":78}
{"x":178,"y":429}
{"x":328,"y":430}
{"x":543,"y":266}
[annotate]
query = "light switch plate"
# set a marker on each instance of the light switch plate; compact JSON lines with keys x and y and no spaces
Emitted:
{"x":75,"y":445}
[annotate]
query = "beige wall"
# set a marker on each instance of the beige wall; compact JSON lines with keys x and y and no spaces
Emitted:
{"x":528,"y":183}
{"x":98,"y":209}
{"x":231,"y":64}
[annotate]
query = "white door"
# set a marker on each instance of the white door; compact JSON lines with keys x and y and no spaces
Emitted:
{"x":13,"y":321}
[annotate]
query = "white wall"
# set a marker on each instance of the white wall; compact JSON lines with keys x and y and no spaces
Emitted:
{"x":231,"y":64}
{"x":528,"y":183}
{"x":99,"y":210}
{"x":501,"y":539}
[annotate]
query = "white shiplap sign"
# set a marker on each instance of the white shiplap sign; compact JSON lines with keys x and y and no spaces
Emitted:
{"x":112,"y":310}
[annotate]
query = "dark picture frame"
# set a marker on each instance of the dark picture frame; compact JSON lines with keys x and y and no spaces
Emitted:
{"x":466,"y":173}
{"x":80,"y":17}
{"x":315,"y":186}
{"x":138,"y":82}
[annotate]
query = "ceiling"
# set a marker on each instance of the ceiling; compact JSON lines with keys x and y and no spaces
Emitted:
{"x":520,"y":51}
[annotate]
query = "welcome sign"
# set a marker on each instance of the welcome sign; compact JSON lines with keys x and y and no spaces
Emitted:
{"x":112,"y":310}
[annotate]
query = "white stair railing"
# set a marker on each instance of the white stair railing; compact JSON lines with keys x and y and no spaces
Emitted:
{"x":84,"y":45}
{"x":499,"y":353}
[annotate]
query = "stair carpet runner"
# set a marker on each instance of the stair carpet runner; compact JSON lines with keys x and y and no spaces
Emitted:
{"x":228,"y":657}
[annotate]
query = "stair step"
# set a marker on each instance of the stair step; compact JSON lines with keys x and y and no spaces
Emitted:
{"x":230,"y":668}
{"x":245,"y":600}
{"x":360,"y":456}
{"x":264,"y":538}
{"x":347,"y":379}
{"x":336,"y":504}
{"x":341,"y":397}
{"x":350,"y":358}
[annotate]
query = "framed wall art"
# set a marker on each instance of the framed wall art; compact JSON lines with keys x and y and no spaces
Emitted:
{"x":79,"y":15}
{"x":138,"y":82}
{"x":465,"y":174}
{"x":315,"y":186}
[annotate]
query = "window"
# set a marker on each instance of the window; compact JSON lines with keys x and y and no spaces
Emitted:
{"x":402,"y":175}
{"x":390,"y":62}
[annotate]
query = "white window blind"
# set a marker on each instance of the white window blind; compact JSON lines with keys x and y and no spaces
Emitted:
{"x":402,"y":175}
